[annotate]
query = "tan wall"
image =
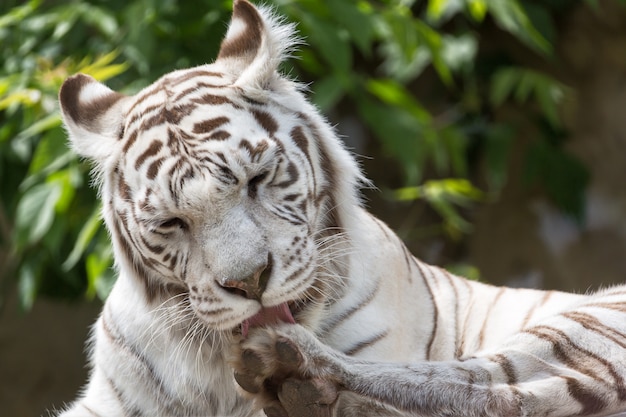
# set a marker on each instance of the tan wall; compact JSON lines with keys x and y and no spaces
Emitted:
{"x":522,"y":238}
{"x":42,"y":360}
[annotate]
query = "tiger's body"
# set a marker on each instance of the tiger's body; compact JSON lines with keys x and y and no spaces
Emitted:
{"x":233,"y":208}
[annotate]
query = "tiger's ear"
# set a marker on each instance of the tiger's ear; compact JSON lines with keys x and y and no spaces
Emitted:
{"x":255,"y":44}
{"x":93,"y":115}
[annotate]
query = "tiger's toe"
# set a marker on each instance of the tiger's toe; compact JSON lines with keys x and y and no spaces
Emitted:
{"x":308,"y":398}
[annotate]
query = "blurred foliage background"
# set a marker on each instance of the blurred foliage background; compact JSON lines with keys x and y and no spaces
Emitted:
{"x":420,"y":77}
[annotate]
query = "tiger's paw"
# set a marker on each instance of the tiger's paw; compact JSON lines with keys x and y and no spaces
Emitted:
{"x":287,"y":373}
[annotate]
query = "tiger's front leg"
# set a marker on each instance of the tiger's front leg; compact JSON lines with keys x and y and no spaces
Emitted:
{"x":291,"y":373}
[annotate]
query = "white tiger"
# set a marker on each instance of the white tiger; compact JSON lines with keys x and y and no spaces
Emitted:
{"x":240,"y":243}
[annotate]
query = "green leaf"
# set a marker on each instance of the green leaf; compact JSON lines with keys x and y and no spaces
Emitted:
{"x":435,"y":9}
{"x":102,"y":69}
{"x":85,"y":236}
{"x":353,"y":18}
{"x":331,"y":42}
{"x":459,"y":52}
{"x":327,"y":92}
{"x":459,"y":190}
{"x":405,"y":56}
{"x":44,"y":124}
{"x":27,"y":286}
{"x":392,"y":92}
{"x":442,"y":196}
{"x":433,"y":40}
{"x":528,"y":82}
{"x":464,"y":270}
{"x":35,"y":212}
{"x":67,"y":17}
{"x":477,"y":9}
{"x":18,"y":14}
{"x":512,"y":17}
{"x":65,"y":180}
{"x":101,"y":19}
{"x":524,"y":84}
{"x":549,"y":97}
{"x":454,"y":145}
{"x":402,"y":135}
{"x":25,"y":97}
{"x":100,"y":276}
{"x":503,"y":83}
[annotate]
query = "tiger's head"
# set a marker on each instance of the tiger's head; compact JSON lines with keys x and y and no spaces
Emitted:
{"x":220,"y":182}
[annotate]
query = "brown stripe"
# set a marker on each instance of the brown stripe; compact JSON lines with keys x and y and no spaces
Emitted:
{"x":591,"y":402}
{"x":218,"y":135}
{"x":86,"y":114}
{"x":143,"y":113}
{"x":177,"y":113}
{"x":156,"y":249}
{"x":155,"y":120}
{"x":302,"y":141}
{"x":457,"y":322}
{"x":293,"y":173}
{"x":614,"y":291}
{"x":132,"y":138}
{"x":266,"y":121}
{"x":188,"y":75}
{"x":616,"y":306}
{"x":535,"y":307}
{"x":207,"y":126}
{"x":483,"y":329}
{"x":382,"y":226}
{"x":90,"y":411}
{"x":299,"y":271}
{"x":152,"y":288}
{"x":152,"y":90}
{"x":507,"y":367}
{"x":196,"y":87}
{"x":564,"y":348}
{"x":119,"y":395}
{"x":213,"y":100}
{"x":154,"y":168}
{"x":468,"y":315}
{"x":152,"y":150}
{"x":408,"y":258}
{"x":173,"y":261}
{"x":433,"y":333}
{"x":215,"y":312}
{"x":116,"y":338}
{"x":591,"y":323}
{"x":329,"y":175}
{"x":287,"y":215}
{"x":366,"y":343}
{"x":341,"y":318}
{"x":247,"y":42}
{"x":124,"y":188}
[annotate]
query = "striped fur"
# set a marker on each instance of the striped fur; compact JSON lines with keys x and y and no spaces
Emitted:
{"x":225,"y":191}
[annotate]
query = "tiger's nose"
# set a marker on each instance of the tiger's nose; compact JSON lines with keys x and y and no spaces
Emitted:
{"x":251,"y":287}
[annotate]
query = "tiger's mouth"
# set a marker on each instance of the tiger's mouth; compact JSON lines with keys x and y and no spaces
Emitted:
{"x":268,"y":316}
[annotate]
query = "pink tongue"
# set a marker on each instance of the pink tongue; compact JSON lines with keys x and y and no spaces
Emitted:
{"x":268,"y":316}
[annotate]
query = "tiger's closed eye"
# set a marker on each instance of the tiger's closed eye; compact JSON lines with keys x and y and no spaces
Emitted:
{"x":253,"y":184}
{"x":174,"y":222}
